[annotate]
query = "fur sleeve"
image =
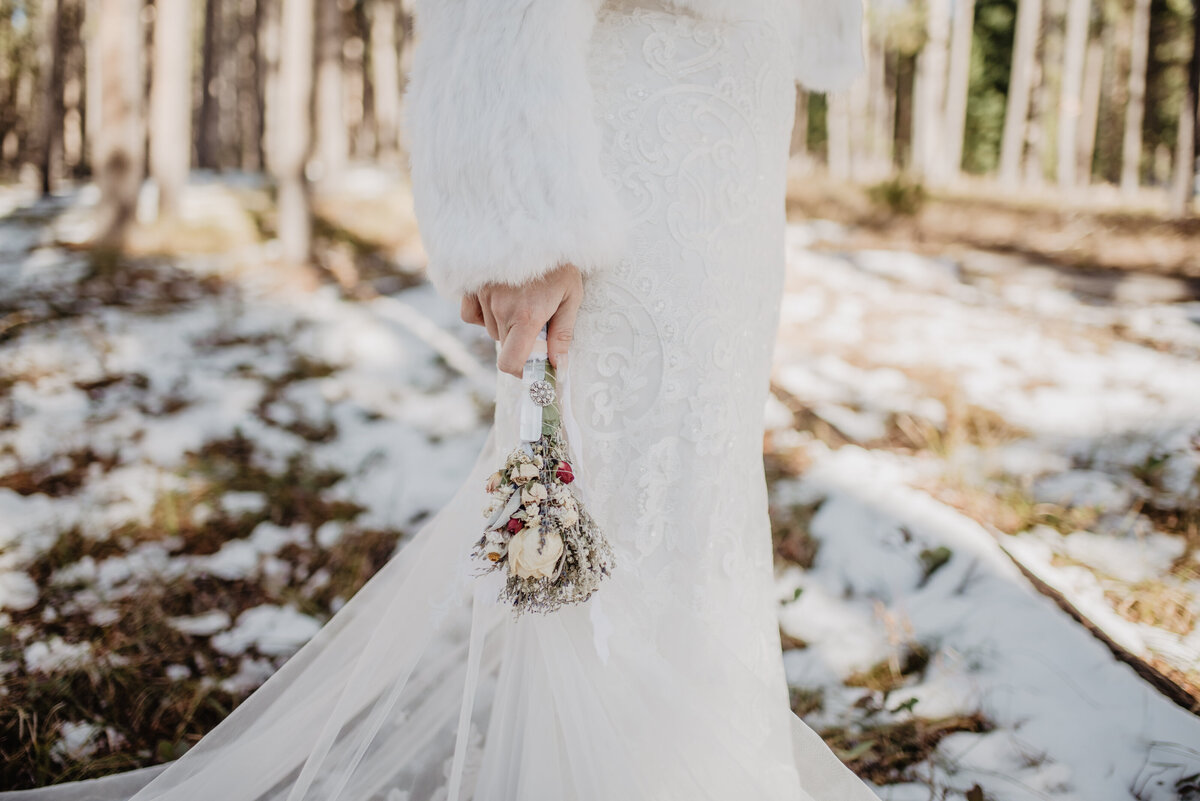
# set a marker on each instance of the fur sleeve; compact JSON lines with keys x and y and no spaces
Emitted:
{"x":504,"y":149}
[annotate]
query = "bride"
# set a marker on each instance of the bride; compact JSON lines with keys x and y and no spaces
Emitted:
{"x":616,"y":171}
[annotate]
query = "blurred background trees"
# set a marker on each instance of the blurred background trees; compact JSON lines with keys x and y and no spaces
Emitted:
{"x":1093,"y":99}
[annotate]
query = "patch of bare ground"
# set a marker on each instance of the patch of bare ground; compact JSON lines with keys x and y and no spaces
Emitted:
{"x":142,"y":285}
{"x":151,"y":690}
{"x":790,"y":531}
{"x":62,"y":475}
{"x":886,"y":749}
{"x":891,"y":752}
{"x":1049,"y":230}
{"x":965,"y":423}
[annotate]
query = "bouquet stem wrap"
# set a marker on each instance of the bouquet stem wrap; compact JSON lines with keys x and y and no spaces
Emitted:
{"x":538,"y":530}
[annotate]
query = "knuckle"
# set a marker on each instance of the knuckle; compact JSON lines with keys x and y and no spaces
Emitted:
{"x":522,"y":315}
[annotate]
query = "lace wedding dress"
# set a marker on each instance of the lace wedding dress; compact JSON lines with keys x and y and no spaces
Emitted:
{"x":668,"y":684}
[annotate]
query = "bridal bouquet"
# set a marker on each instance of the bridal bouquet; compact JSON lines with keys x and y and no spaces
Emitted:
{"x":538,"y":532}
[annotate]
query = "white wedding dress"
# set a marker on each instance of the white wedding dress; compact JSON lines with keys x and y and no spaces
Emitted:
{"x":668,"y":684}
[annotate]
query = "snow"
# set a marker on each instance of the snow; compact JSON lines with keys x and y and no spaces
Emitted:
{"x":271,"y":630}
{"x":235,"y":504}
{"x":178,"y":672}
{"x":1083,"y":488}
{"x":328,"y":533}
{"x":17,"y":591}
{"x":1097,"y":430}
{"x":1052,"y":688}
{"x":76,"y":740}
{"x":202,"y":625}
{"x":1089,"y":421}
{"x":251,"y":673}
{"x":55,"y":654}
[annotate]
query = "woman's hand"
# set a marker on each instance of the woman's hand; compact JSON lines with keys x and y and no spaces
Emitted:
{"x":513,"y":316}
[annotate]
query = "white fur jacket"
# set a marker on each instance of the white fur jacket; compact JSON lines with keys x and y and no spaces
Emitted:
{"x":504,"y":151}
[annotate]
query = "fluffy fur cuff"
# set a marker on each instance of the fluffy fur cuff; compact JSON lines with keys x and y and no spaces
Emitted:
{"x":505,"y":153}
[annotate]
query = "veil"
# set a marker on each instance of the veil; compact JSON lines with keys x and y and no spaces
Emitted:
{"x":395,"y":696}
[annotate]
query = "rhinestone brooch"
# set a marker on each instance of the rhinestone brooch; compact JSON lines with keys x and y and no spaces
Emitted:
{"x":542,"y":392}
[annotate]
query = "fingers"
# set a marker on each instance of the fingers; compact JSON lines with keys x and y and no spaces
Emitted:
{"x":472,"y":310}
{"x":489,"y":321}
{"x":516,"y":346}
{"x":513,"y":316}
{"x":560,"y":331}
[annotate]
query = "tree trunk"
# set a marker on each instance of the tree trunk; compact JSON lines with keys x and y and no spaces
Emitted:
{"x":248,"y":106}
{"x":260,"y":83}
{"x":93,"y":90}
{"x":858,"y":109}
{"x":837,"y":122}
{"x":1187,"y":145}
{"x":903,"y":92}
{"x":120,"y":140}
{"x":170,"y":103}
{"x":293,"y":138}
{"x":958,"y":85}
{"x":332,"y":140}
{"x":799,"y":145}
{"x":1039,"y":158}
{"x":406,"y":56}
{"x":208,"y":121}
{"x":229,"y":125}
{"x":269,"y":34}
{"x":74,"y":100}
{"x":358,"y":93}
{"x":883,"y":109}
{"x":385,"y":77}
{"x":931,"y":93}
{"x":1135,"y":109}
{"x":1070,"y":101}
{"x":50,"y":65}
{"x":1020,"y":87}
{"x":1089,"y":118}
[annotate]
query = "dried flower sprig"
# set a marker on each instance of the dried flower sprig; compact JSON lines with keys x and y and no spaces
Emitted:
{"x":537,"y":531}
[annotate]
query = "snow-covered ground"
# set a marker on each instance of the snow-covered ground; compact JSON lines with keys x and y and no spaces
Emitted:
{"x":939,"y":407}
{"x":207,"y":423}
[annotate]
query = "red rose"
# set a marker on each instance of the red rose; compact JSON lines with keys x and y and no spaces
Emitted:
{"x":565,"y":474}
{"x":514,"y":525}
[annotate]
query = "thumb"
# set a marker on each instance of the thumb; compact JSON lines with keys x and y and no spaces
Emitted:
{"x":560,"y":330}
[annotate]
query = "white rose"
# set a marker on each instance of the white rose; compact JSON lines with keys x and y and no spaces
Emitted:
{"x":493,"y":482}
{"x":528,"y":557}
{"x":524,"y":473}
{"x":533,"y":492}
